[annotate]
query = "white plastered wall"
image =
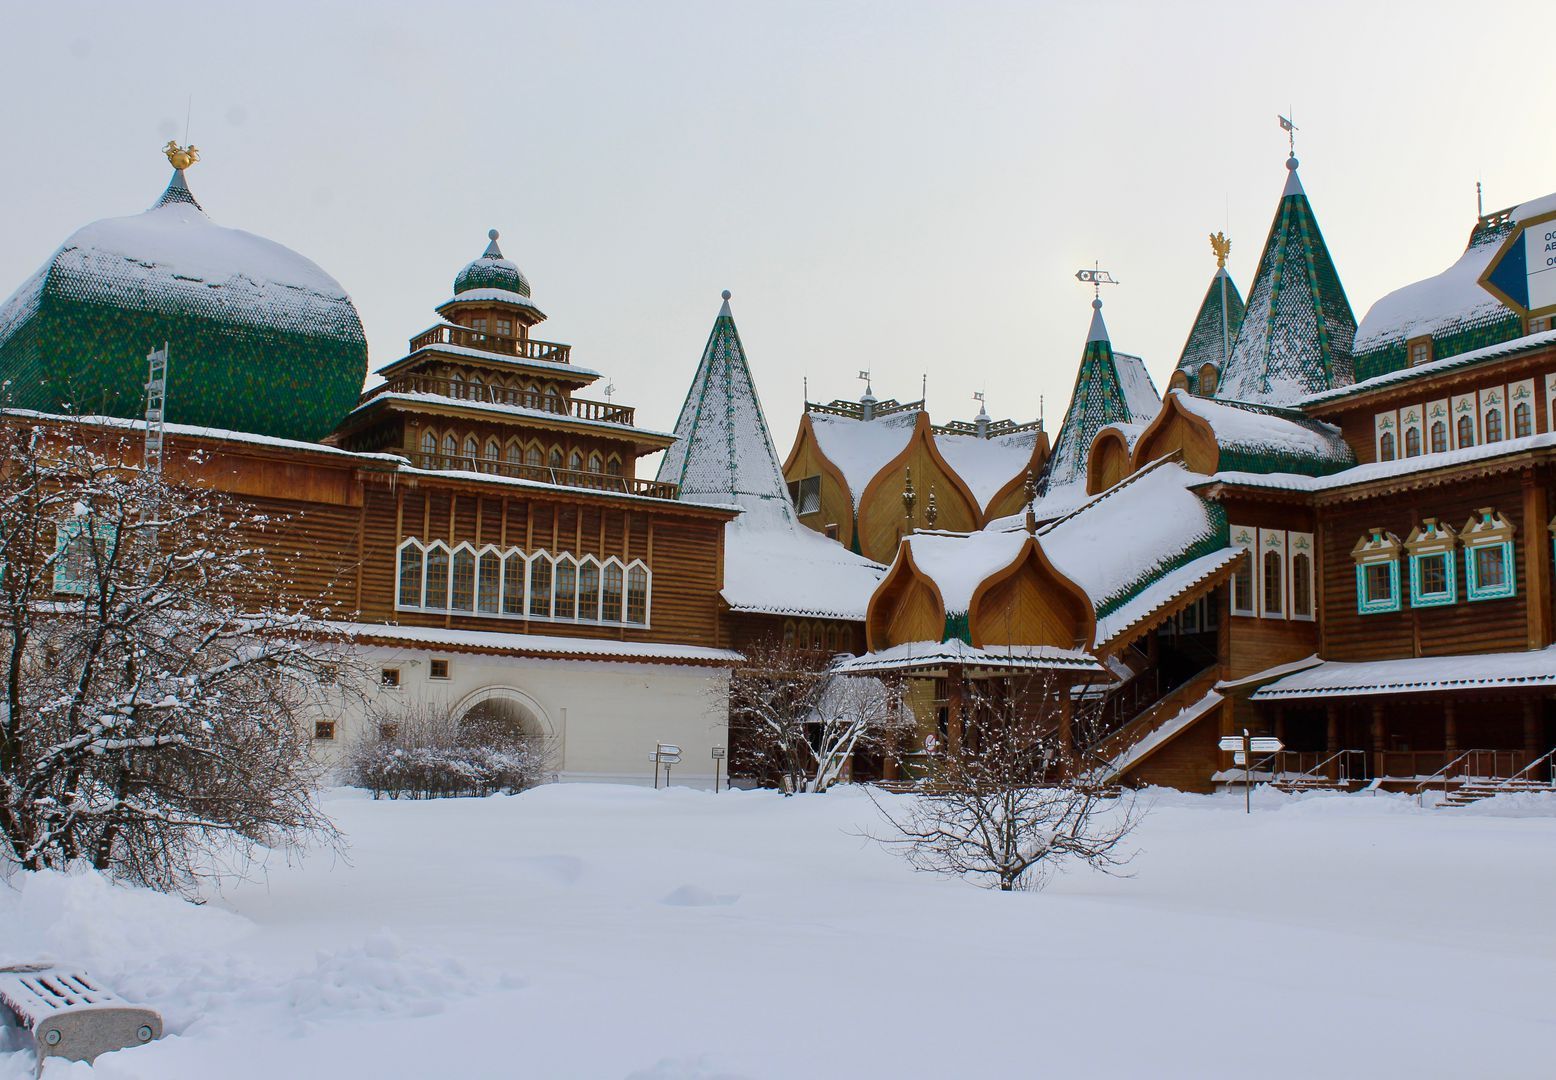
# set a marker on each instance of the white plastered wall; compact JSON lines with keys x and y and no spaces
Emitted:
{"x":602,"y":717}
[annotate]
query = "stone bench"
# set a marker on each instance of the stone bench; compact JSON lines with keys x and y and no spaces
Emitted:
{"x":71,"y":1015}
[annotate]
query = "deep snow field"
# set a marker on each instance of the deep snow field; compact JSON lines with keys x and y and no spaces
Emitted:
{"x":593,"y":931}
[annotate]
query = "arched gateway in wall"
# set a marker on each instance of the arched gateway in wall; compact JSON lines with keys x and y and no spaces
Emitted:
{"x":509,"y":707}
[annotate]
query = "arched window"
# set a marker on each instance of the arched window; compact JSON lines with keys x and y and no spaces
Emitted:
{"x":450,"y":446}
{"x":472,"y":448}
{"x":1274,"y":596}
{"x":475,"y":389}
{"x":1523,"y":420}
{"x":1466,"y":432}
{"x":613,"y":466}
{"x":789,"y":633}
{"x":410,"y":575}
{"x":1439,"y":437}
{"x":513,"y":567}
{"x":610,"y":600}
{"x":429,"y":443}
{"x":553,"y":400}
{"x":1386,"y":447}
{"x":456,"y":387}
{"x":1494,"y":425}
{"x":596,"y":463}
{"x":493,"y":451}
{"x":515,"y":453}
{"x":575,"y":461}
{"x":1302,"y":586}
{"x":462,"y":591}
{"x":637,"y":595}
{"x":533,"y":456}
{"x":540,"y":587}
{"x":565,"y":605}
{"x":437,"y":578}
{"x":556,"y":457}
{"x":489,"y":582}
{"x":589,"y":590}
{"x":1413,"y":442}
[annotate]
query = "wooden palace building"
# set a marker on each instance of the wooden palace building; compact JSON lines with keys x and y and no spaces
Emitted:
{"x":1333,"y":532}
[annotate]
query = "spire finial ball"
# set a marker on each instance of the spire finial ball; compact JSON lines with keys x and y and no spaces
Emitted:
{"x":491,"y":234}
{"x":726,"y":294}
{"x":1291,"y":162}
{"x":1096,"y":305}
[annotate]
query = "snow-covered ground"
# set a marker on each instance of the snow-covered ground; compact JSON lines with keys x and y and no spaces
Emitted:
{"x":593,"y":931}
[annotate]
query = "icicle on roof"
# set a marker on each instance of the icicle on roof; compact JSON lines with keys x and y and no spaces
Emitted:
{"x":1100,"y":398}
{"x":1296,"y":339}
{"x":723,"y":452}
{"x":1215,"y":326}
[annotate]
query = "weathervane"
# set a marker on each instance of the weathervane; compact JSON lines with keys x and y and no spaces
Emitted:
{"x":1096,"y":278}
{"x":181,"y":157}
{"x":1222,"y":247}
{"x":1291,"y":132}
{"x":610,"y":388}
{"x":864,"y":377}
{"x":978,"y":397}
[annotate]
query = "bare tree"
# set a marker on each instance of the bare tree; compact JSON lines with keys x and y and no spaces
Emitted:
{"x":1016,"y":800}
{"x":422,"y":750}
{"x":158,"y":689}
{"x":796,"y":718}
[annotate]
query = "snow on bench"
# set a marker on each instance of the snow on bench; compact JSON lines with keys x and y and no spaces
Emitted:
{"x":71,"y":1015}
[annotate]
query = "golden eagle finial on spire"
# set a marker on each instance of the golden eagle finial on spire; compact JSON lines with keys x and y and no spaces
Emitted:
{"x":1222,"y":247}
{"x":181,"y":157}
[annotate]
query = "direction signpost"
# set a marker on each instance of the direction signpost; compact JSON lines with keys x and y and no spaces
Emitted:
{"x":666,"y":754}
{"x":1243,"y":748}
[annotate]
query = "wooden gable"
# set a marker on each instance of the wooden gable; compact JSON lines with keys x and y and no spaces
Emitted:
{"x":1177,"y":429}
{"x":882,"y":518}
{"x":1109,"y":462}
{"x":1030,"y":603}
{"x":1012,"y":498}
{"x":906,"y":606}
{"x":806,"y":459}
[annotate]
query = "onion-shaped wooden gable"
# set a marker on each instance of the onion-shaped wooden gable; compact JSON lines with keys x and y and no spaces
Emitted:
{"x":882,"y":516}
{"x":836,"y":507}
{"x":1012,"y":497}
{"x":1177,"y":429}
{"x":1111,"y":459}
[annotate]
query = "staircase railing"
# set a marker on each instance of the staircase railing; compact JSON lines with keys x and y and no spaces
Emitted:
{"x":1336,"y":768}
{"x":1119,"y":740}
{"x":1457,"y":768}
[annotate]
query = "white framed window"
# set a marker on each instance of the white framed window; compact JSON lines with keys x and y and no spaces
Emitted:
{"x":1303,"y":604}
{"x":1272,"y":573}
{"x":488,"y":581}
{"x":1493,"y":414}
{"x":1243,"y":602}
{"x":1465,"y":427}
{"x":81,"y":546}
{"x":436,"y":596}
{"x":407,"y":590}
{"x":1489,"y":570}
{"x":1412,"y":431}
{"x":1385,"y":435}
{"x":1377,"y":572}
{"x":1520,"y":409}
{"x":1439,"y":426}
{"x":515,"y":575}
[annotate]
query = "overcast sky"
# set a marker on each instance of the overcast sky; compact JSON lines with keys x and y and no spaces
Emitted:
{"x":904,"y":187}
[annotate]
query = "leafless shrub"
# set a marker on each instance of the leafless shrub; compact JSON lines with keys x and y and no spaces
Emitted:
{"x":423,"y":751}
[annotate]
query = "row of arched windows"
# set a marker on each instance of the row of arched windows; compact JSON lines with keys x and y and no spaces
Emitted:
{"x":818,"y":635}
{"x":451,"y":450}
{"x":515,"y":585}
{"x":513,"y":391}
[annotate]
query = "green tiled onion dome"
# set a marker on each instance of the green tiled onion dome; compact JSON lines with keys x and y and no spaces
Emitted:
{"x":261,"y":340}
{"x":492,"y":271}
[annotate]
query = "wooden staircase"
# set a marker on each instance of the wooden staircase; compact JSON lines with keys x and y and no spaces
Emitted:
{"x":1114,"y":746}
{"x":1463,"y":784}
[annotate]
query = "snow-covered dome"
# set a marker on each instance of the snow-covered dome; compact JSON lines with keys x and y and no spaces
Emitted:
{"x":491,"y":271}
{"x":260,"y":338}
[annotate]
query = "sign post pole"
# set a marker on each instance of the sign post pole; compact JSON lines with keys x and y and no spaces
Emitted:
{"x":718,"y":757}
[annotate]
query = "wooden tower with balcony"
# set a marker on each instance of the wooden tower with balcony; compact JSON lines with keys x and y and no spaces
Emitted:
{"x":476,"y":393}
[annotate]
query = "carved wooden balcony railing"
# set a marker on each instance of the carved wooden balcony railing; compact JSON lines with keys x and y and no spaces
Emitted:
{"x":542,"y":474}
{"x":465,"y":338}
{"x":556,"y":404}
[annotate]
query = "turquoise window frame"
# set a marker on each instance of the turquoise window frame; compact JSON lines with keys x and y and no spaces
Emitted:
{"x":1367,"y":606}
{"x":1421,"y":598}
{"x":1472,"y":587}
{"x":64,"y":534}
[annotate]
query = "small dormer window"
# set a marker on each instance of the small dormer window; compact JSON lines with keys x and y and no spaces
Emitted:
{"x":1420,"y":351}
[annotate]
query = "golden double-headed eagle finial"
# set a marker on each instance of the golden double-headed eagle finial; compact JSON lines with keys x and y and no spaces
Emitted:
{"x":181,"y":157}
{"x":1222,"y":247}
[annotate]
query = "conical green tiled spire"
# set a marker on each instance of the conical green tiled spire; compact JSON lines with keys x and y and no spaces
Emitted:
{"x":723,"y":452}
{"x":1098,"y":400}
{"x":1215,"y":329}
{"x":1297,"y":335}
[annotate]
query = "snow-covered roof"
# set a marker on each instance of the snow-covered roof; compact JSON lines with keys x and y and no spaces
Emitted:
{"x":861,"y":448}
{"x":987,"y":465}
{"x":959,"y":562}
{"x":498,"y":358}
{"x":1297,"y":333}
{"x":724,"y":455}
{"x":1451,"y":300}
{"x":1499,"y":351}
{"x":1163,"y":590}
{"x":1424,"y":674}
{"x":511,"y":411}
{"x":1215,"y":327}
{"x":439,"y":637}
{"x":1255,"y":438}
{"x":1132,"y":536}
{"x":939,"y":654}
{"x":500,"y":296}
{"x":1140,"y":393}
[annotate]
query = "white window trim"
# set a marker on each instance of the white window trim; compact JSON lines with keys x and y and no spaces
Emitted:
{"x":1250,"y":545}
{"x":1312,"y":577}
{"x":1265,"y":547}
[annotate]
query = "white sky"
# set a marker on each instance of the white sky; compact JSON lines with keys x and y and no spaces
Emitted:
{"x":905,"y":187}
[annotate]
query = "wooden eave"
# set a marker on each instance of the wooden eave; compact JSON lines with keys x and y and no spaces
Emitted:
{"x":508,"y":365}
{"x":520,"y":649}
{"x":644,"y":442}
{"x":1431,"y":478}
{"x":1221,"y":490}
{"x":1430,"y":386}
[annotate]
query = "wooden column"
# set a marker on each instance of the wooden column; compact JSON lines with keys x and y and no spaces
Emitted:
{"x":1450,"y":730}
{"x":1532,"y":732}
{"x":953,"y":709}
{"x":1537,"y":562}
{"x":1378,"y":744}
